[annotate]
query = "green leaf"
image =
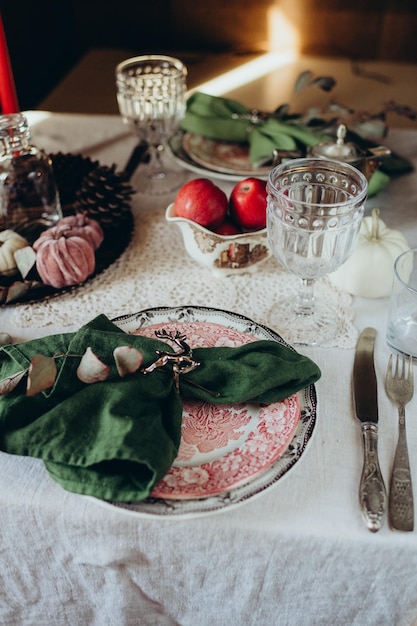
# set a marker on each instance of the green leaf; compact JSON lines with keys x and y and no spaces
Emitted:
{"x":5,"y":339}
{"x":17,"y":290}
{"x":326,"y":83}
{"x":42,"y":374}
{"x":282,"y":112}
{"x":128,"y":359}
{"x":91,"y":369}
{"x":340,"y":109}
{"x":8,"y":384}
{"x":303,"y":80}
{"x":25,"y":260}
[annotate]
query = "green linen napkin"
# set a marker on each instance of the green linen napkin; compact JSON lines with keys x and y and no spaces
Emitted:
{"x":261,"y":372}
{"x":117,"y":438}
{"x":378,"y":181}
{"x":224,"y":119}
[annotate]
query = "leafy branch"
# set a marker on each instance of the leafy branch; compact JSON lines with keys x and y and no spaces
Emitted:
{"x":42,"y":370}
{"x":364,"y":123}
{"x":307,"y":79}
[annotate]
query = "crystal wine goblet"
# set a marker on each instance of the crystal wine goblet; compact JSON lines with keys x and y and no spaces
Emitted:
{"x":314,"y":211}
{"x":151,"y":94}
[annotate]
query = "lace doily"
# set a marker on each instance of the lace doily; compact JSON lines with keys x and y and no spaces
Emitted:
{"x":155,"y":270}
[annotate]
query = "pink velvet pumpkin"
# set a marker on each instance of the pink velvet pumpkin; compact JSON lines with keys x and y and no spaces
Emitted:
{"x":63,"y":260}
{"x":79,"y":225}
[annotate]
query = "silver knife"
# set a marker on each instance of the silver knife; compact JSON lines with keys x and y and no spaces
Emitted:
{"x":372,"y":492}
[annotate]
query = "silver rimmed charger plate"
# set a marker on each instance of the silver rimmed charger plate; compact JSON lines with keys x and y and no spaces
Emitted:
{"x":225,"y":327}
{"x":221,"y":169}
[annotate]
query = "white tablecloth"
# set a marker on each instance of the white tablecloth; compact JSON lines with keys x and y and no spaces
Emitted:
{"x":297,"y":554}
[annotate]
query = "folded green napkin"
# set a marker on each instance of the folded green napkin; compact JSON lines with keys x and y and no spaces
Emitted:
{"x":378,"y":181}
{"x":224,"y":119}
{"x":116,"y":438}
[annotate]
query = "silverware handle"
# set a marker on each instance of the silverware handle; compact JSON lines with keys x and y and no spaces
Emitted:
{"x":372,"y":492}
{"x":401,"y":506}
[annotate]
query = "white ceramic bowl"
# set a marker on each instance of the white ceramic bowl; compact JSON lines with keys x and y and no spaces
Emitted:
{"x":222,"y":254}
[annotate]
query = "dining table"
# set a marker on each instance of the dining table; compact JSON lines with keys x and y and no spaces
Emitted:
{"x":293,"y":552}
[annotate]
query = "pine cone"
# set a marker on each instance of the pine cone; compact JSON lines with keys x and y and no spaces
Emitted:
{"x":69,"y":171}
{"x":104,"y":195}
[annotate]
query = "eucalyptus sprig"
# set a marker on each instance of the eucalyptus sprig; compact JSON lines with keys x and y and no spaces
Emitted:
{"x":366,"y":124}
{"x":42,"y":370}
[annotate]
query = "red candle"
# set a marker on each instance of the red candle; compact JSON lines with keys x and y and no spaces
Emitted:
{"x":8,"y":98}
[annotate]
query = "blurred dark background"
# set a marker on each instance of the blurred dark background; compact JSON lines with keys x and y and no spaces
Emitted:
{"x":47,"y":38}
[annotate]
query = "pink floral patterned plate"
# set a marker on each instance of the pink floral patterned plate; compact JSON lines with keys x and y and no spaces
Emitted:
{"x":227,"y":453}
{"x":223,"y":447}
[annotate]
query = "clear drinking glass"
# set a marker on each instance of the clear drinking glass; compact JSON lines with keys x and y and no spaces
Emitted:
{"x":151,"y":94}
{"x":314,"y":211}
{"x":402,"y":315}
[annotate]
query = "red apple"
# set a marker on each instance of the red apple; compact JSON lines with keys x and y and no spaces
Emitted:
{"x":201,"y":201}
{"x":228,"y":228}
{"x":247,"y":203}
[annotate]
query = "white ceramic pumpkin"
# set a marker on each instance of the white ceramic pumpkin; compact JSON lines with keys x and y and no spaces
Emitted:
{"x":10,"y":241}
{"x":369,"y":271}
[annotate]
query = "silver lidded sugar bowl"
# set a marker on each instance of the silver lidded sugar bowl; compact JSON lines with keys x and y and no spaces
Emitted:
{"x":367,"y":161}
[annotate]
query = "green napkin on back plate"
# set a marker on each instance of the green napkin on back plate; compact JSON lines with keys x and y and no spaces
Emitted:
{"x":115,"y":439}
{"x":223,"y":119}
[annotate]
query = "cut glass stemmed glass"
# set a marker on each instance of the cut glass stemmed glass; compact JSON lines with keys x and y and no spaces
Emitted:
{"x":314,"y":211}
{"x":151,"y":94}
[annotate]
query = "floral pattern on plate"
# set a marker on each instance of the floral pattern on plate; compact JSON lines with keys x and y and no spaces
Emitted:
{"x":223,"y":446}
{"x":232,"y":464}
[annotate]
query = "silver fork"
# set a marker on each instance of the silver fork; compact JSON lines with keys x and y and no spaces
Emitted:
{"x":400,"y":388}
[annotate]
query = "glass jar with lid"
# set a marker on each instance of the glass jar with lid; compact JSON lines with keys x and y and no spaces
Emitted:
{"x":29,"y":199}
